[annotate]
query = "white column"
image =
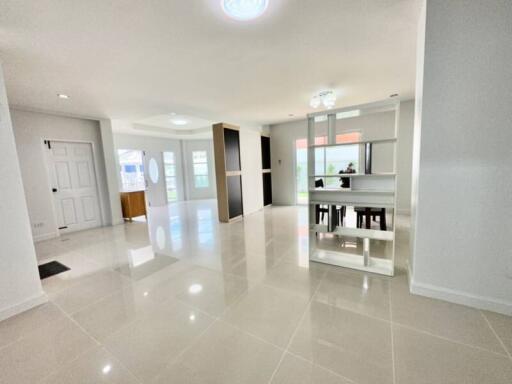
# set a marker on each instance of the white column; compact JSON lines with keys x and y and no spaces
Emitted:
{"x":462,"y":190}
{"x":20,"y":287}
{"x":111,"y":171}
{"x":331,"y":128}
{"x":311,"y":152}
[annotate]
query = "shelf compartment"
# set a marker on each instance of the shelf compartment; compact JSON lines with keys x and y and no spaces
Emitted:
{"x":377,"y":199}
{"x":353,"y":204}
{"x":373,"y":234}
{"x":347,"y":260}
{"x":376,"y":141}
{"x":371,"y":175}
{"x":351,"y":190}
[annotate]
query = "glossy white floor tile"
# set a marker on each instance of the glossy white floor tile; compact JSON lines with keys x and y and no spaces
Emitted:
{"x":148,"y":344}
{"x":502,"y":325}
{"x":455,"y":322}
{"x":294,"y":370}
{"x":353,"y":345}
{"x":95,"y":366}
{"x":425,"y":359}
{"x":43,"y":350}
{"x":364,"y":293}
{"x":225,"y":354}
{"x":185,"y":299}
{"x":269,"y":313}
{"x":16,"y":327}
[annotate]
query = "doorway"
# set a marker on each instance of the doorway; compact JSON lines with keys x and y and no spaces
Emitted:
{"x":301,"y":171}
{"x":74,"y":185}
{"x":156,"y":193}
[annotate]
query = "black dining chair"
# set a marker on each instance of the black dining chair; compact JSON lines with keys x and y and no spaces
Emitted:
{"x":369,"y":213}
{"x":320,"y":210}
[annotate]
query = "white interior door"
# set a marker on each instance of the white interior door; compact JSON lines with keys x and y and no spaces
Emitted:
{"x":74,"y":185}
{"x":155,"y":179}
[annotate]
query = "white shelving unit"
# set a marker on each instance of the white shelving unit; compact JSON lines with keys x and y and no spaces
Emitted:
{"x":366,"y":190}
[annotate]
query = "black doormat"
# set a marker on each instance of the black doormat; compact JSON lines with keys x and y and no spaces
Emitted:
{"x":50,"y":269}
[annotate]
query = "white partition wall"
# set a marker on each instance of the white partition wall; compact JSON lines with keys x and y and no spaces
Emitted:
{"x":462,"y":182}
{"x":352,"y":215}
{"x":20,"y":287}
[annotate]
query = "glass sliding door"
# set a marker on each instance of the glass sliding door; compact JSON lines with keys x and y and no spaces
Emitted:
{"x":301,"y":171}
{"x":131,"y":167}
{"x":200,"y":168}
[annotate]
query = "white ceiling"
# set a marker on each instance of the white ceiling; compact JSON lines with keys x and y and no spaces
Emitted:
{"x":137,"y":59}
{"x":163,"y":125}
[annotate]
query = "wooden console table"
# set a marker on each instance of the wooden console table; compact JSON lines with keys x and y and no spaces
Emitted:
{"x":133,"y":204}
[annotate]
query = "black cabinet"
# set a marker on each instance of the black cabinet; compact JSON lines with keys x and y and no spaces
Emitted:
{"x":228,"y":173}
{"x":235,"y":203}
{"x":266,"y":168}
{"x":267,"y":188}
{"x":265,"y":152}
{"x":232,"y":149}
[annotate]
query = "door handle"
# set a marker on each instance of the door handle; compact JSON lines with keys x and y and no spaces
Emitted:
{"x":54,"y":190}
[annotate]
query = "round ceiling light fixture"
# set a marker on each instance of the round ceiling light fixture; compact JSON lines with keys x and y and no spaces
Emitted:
{"x":244,"y":9}
{"x":179,"y":122}
{"x":327,"y":98}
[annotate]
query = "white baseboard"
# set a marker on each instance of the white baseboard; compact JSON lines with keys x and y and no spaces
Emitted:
{"x":253,"y":211}
{"x":463,"y":298}
{"x":45,"y":236}
{"x":23,"y":306}
{"x":117,"y":222}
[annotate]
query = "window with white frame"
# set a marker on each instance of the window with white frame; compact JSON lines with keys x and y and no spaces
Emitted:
{"x":170,"y":176}
{"x":131,"y":170}
{"x":200,"y":164}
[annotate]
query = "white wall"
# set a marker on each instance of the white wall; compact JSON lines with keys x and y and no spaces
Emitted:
{"x":404,"y":156}
{"x":192,"y":192}
{"x":30,"y":129}
{"x":463,"y":213}
{"x":252,"y":179}
{"x":282,"y":149}
{"x":20,"y":287}
{"x":283,"y":137}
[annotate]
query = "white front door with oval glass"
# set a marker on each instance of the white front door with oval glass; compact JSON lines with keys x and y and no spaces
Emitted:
{"x":155,"y":179}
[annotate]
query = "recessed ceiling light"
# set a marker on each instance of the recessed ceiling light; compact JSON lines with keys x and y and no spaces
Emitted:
{"x":179,"y":122}
{"x":62,"y":96}
{"x":244,"y":9}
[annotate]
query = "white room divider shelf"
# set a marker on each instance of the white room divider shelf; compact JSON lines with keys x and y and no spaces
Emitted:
{"x":366,"y":191}
{"x":357,"y":232}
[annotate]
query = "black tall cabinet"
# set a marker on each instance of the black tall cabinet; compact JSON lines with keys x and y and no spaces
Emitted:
{"x":266,"y":170}
{"x":228,"y":171}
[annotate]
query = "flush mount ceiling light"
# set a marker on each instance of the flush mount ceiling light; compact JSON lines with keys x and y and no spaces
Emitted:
{"x":244,"y":9}
{"x":179,"y":122}
{"x":327,"y":98}
{"x":62,"y":96}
